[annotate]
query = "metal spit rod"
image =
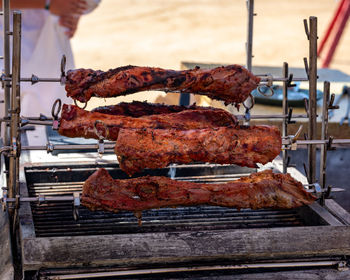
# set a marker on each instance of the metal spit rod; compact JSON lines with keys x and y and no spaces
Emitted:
{"x":287,"y":142}
{"x":196,"y":268}
{"x":285,"y":112}
{"x":49,"y":122}
{"x":312,"y":73}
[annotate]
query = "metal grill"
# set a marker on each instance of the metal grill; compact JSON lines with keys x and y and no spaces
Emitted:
{"x":56,"y":218}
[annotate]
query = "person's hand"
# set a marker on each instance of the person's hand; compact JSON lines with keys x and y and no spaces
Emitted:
{"x":63,"y":7}
{"x":70,"y":21}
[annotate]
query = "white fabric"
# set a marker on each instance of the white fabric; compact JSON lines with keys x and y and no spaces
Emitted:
{"x":45,"y":61}
{"x":43,"y":44}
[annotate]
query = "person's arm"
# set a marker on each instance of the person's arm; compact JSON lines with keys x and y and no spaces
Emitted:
{"x":57,"y":7}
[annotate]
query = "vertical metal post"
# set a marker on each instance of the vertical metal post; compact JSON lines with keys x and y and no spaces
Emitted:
{"x":249,"y":45}
{"x":6,"y":55}
{"x":285,"y":113}
{"x":312,"y":129}
{"x":324,"y":134}
{"x":13,"y":189}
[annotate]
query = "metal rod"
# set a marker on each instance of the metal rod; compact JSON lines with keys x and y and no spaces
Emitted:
{"x":280,"y":79}
{"x":316,"y":142}
{"x":249,"y":50}
{"x":6,"y":54}
{"x":13,"y":187}
{"x":249,"y":44}
{"x":110,"y":145}
{"x":285,"y":112}
{"x":192,"y":268}
{"x":263,"y":78}
{"x":312,"y":129}
{"x":324,"y":134}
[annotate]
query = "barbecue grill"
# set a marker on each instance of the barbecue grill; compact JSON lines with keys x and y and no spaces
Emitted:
{"x":46,"y":234}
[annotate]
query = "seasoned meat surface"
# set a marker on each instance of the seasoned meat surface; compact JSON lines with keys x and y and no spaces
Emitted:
{"x":157,"y":148}
{"x":259,"y":190}
{"x":76,"y":122}
{"x":231,"y":84}
{"x":138,"y":109}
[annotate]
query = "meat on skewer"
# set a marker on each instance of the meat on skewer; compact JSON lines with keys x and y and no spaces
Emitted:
{"x":77,"y":122}
{"x":157,"y":148}
{"x":231,"y":84}
{"x":259,"y":190}
{"x":138,"y":109}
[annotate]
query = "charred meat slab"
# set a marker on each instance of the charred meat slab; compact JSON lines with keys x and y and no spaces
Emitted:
{"x":77,"y":122}
{"x":259,"y":190}
{"x":157,"y":148}
{"x":231,"y":84}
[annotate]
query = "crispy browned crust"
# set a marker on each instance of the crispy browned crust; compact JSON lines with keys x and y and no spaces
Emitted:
{"x":157,"y":148}
{"x":231,"y":84}
{"x":138,"y":109}
{"x":259,"y":190}
{"x":76,"y":122}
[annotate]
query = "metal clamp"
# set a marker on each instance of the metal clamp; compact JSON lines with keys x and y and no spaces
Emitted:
{"x":76,"y":204}
{"x":34,"y":79}
{"x":266,"y":89}
{"x":56,"y":109}
{"x":100,"y":134}
{"x":331,"y":104}
{"x":252,"y":103}
{"x":49,"y":147}
{"x":76,"y":104}
{"x":317,"y":189}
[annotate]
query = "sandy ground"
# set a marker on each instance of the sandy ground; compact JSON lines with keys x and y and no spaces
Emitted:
{"x":164,"y":33}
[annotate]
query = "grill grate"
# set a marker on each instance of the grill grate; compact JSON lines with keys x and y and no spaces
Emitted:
{"x":56,"y":218}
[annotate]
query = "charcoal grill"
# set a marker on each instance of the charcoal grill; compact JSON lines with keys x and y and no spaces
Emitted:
{"x":46,"y":239}
{"x":192,"y":241}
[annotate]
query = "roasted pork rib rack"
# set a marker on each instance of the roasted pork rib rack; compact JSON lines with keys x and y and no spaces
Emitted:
{"x":156,"y":148}
{"x":231,"y":84}
{"x":76,"y":122}
{"x":259,"y":190}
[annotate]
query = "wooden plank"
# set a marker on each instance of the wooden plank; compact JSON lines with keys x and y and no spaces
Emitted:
{"x":338,"y":211}
{"x":6,"y":263}
{"x":131,"y":249}
{"x":26,"y":224}
{"x":318,"y":274}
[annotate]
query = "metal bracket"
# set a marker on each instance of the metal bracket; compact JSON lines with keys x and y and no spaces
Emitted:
{"x":317,"y":189}
{"x":290,"y":114}
{"x":76,"y":204}
{"x":329,"y":144}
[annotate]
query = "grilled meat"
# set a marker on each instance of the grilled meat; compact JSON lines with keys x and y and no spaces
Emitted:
{"x":76,"y":122}
{"x":231,"y":84}
{"x":156,"y":148}
{"x":138,"y":109}
{"x":259,"y":190}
